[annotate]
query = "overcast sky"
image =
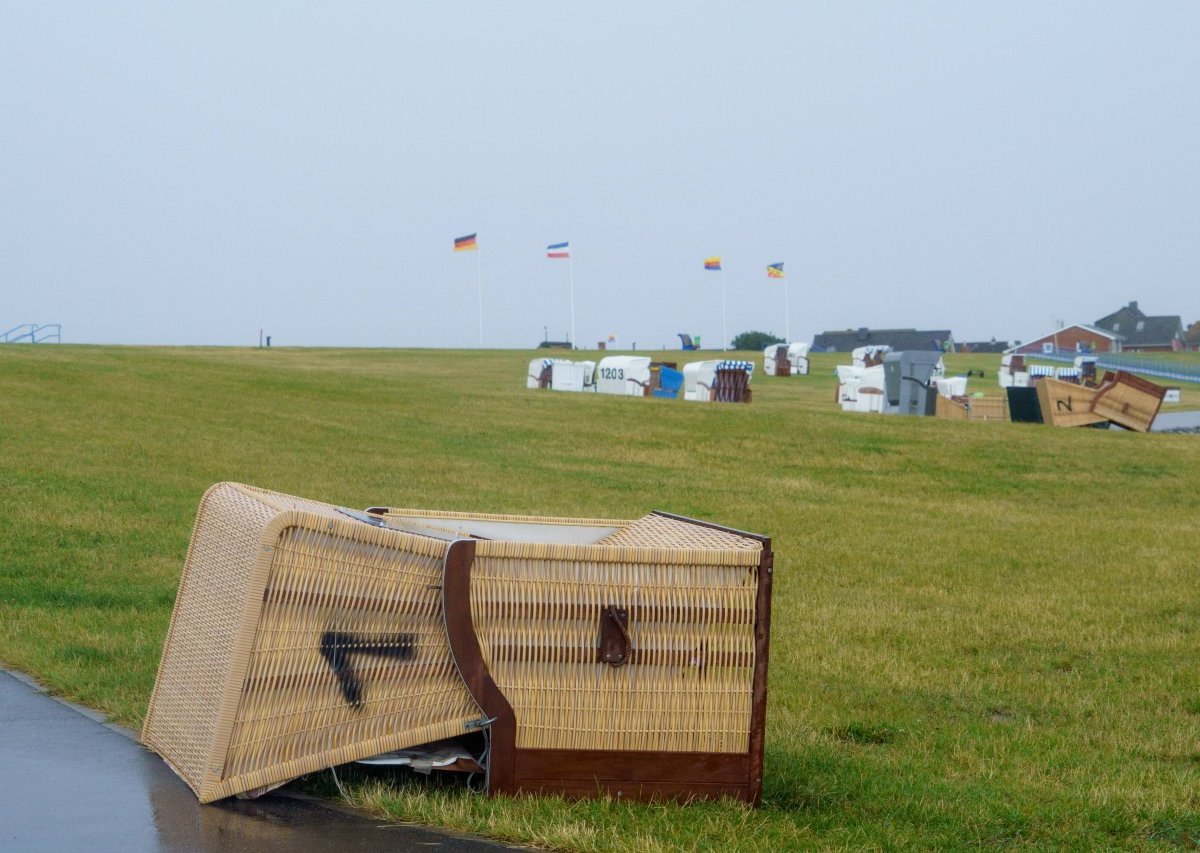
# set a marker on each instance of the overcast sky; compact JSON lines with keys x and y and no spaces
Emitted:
{"x":188,"y":173}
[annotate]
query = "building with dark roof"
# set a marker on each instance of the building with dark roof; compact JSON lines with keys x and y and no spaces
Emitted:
{"x":897,"y":339}
{"x":1142,"y":333}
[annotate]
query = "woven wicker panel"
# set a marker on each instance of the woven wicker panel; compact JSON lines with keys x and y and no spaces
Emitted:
{"x":988,"y":409}
{"x":658,"y":531}
{"x":950,"y":410}
{"x":688,"y":685}
{"x":199,"y":652}
{"x":339,"y":653}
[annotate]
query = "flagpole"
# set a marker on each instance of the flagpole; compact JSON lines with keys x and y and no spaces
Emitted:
{"x":479,"y":278}
{"x":787,"y":321}
{"x":724,"y":326}
{"x":571,"y":278}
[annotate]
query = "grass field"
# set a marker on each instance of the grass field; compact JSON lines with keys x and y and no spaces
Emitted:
{"x":984,"y":634}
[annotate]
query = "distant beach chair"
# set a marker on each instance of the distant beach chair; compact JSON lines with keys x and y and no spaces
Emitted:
{"x":731,"y":384}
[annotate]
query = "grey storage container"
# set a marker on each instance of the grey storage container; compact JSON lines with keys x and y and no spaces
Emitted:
{"x":907,"y":378}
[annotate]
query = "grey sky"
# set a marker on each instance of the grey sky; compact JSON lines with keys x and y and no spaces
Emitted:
{"x":186,"y":173}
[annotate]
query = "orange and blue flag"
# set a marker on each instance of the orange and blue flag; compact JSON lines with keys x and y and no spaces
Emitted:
{"x":465,"y":244}
{"x":712,"y":263}
{"x":775,"y":270}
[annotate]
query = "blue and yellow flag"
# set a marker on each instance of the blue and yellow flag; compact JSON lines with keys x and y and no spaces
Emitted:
{"x":775,"y":270}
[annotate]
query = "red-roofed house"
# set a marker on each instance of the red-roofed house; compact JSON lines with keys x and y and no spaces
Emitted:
{"x":1078,"y":338}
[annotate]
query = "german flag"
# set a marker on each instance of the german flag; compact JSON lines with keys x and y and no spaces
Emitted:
{"x":465,"y":244}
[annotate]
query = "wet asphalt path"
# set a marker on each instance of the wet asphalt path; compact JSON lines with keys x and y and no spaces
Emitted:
{"x":69,"y":782}
{"x":1169,"y":421}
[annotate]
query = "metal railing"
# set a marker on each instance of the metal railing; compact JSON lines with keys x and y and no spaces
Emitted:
{"x":33,"y":333}
{"x":1146,"y":366}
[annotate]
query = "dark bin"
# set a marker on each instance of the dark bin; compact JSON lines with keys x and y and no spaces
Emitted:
{"x":1024,"y":406}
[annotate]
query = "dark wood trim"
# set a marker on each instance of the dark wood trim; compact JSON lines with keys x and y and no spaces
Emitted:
{"x":464,"y":646}
{"x":633,"y":790}
{"x":633,"y":775}
{"x":762,"y":641}
{"x":592,"y":764}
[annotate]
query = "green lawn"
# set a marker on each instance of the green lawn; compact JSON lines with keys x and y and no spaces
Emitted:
{"x":984,"y":634}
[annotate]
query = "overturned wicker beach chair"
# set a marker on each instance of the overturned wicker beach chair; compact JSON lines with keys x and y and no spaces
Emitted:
{"x":626,"y":658}
{"x":612,"y":657}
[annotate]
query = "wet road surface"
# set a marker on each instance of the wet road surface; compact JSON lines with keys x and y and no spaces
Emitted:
{"x":1176,"y":420}
{"x":69,"y":782}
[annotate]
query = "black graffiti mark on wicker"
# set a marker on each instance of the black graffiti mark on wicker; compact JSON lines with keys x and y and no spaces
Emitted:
{"x":339,"y":648}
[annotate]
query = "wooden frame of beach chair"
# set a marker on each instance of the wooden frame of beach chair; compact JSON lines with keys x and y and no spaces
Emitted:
{"x":632,"y":664}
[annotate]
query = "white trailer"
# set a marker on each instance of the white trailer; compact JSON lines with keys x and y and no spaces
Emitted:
{"x":628,"y":375}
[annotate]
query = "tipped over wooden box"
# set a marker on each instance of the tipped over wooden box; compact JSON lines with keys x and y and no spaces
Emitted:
{"x":1123,"y":399}
{"x":622,"y":658}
